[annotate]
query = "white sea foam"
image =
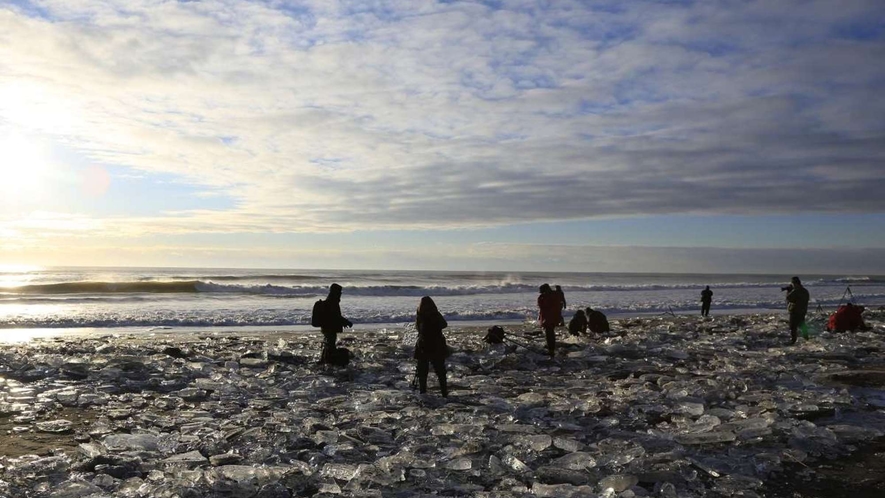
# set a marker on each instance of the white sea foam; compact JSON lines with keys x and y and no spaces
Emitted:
{"x":203,"y":298}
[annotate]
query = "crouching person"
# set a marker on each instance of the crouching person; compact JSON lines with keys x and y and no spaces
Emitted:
{"x":597,"y":322}
{"x":578,"y":324}
{"x":431,"y":348}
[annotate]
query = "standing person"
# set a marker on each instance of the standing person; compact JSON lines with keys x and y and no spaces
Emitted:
{"x":706,"y":299}
{"x":561,"y":294}
{"x":431,"y":346}
{"x":331,"y":322}
{"x":550,"y":315}
{"x":797,"y":306}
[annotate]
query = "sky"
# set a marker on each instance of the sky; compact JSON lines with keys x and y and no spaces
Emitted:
{"x":628,"y":135}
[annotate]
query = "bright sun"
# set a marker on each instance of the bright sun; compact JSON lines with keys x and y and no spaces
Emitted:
{"x":24,"y":168}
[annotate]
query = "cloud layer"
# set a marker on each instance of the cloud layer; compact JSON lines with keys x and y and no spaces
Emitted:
{"x":322,"y":115}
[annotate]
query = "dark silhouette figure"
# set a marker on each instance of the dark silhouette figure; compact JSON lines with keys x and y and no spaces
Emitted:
{"x":331,"y":324}
{"x":706,"y":299}
{"x":431,"y":347}
{"x":578,"y":324}
{"x":797,"y":306}
{"x":495,"y":335}
{"x":597,"y":321}
{"x":550,"y":315}
{"x":561,"y":295}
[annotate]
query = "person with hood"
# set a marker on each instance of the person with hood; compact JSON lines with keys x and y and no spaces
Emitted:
{"x":561,"y":294}
{"x":706,"y":299}
{"x":578,"y":324}
{"x":597,"y":322}
{"x":549,"y":315}
{"x":431,"y":348}
{"x":332,"y":323}
{"x":797,"y":306}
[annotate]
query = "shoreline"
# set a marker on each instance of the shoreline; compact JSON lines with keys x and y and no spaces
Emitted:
{"x":18,"y":335}
{"x":663,"y":404}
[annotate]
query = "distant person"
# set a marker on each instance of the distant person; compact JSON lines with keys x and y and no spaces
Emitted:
{"x":578,"y":324}
{"x":549,"y":315}
{"x":797,"y":306}
{"x":597,"y":321}
{"x":327,"y":316}
{"x":706,"y":299}
{"x":431,"y":347}
{"x":561,"y":295}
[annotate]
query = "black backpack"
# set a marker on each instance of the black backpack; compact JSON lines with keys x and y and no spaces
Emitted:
{"x":495,"y":335}
{"x":341,"y":357}
{"x":318,"y":316}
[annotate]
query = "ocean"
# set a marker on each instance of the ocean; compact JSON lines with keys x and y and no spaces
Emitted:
{"x":199,"y":299}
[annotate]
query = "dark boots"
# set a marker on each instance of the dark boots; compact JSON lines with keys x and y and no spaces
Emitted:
{"x":440,"y":367}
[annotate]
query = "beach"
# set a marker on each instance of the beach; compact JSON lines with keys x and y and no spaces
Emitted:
{"x":663,"y":405}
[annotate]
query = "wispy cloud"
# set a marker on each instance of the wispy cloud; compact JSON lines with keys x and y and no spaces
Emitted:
{"x":321,"y":115}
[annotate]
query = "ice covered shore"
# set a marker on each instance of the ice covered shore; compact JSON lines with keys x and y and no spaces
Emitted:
{"x":662,"y":406}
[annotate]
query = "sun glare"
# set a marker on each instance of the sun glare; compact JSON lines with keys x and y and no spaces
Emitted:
{"x":13,"y":275}
{"x":24,"y":168}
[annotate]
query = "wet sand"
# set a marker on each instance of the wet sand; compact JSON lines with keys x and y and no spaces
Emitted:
{"x":664,"y":406}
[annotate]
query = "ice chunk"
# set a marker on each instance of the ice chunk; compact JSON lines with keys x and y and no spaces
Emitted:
{"x":514,"y":463}
{"x":689,"y":408}
{"x":460,"y":464}
{"x":575,"y":461}
{"x":90,"y":450}
{"x":225,"y":459}
{"x":193,"y":458}
{"x":74,"y":489}
{"x":706,"y":438}
{"x":521,"y":428}
{"x":618,"y":482}
{"x":245,"y":473}
{"x":562,"y":491}
{"x":537,"y":443}
{"x":124,"y":442}
{"x":531,"y":399}
{"x":705,"y":423}
{"x":853,"y":433}
{"x":569,"y":445}
{"x":341,"y":471}
{"x":55,"y":426}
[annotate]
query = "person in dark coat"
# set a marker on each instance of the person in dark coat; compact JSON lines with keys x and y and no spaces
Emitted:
{"x":561,"y":295}
{"x":578,"y":324}
{"x":597,"y":322}
{"x":706,"y":299}
{"x":431,"y":347}
{"x":332,"y":323}
{"x":549,"y":315}
{"x":797,"y":306}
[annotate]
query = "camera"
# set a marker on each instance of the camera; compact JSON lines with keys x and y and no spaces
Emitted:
{"x":787,"y":288}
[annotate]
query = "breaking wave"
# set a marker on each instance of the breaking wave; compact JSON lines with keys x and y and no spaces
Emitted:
{"x":208,"y":286}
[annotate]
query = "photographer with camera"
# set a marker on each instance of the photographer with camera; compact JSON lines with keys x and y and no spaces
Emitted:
{"x":797,"y":306}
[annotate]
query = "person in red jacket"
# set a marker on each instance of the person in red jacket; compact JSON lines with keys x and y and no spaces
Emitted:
{"x":847,"y":318}
{"x":549,"y":315}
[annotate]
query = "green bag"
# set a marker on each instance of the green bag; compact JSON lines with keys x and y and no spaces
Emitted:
{"x":804,"y":329}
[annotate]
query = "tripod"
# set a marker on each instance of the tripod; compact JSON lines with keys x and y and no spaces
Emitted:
{"x":849,"y":293}
{"x":526,"y":346}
